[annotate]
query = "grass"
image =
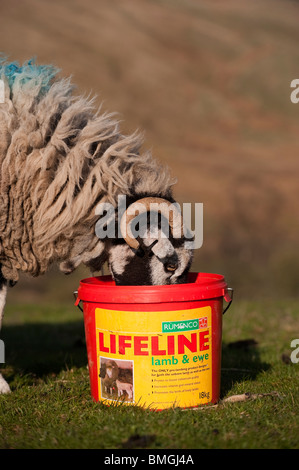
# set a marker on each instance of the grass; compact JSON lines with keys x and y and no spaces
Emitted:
{"x":51,"y":407}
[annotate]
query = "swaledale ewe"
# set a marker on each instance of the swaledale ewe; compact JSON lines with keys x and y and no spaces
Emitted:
{"x":60,"y":158}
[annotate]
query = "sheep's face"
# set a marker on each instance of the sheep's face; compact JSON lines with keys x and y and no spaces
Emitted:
{"x":154,"y":252}
{"x":158,"y":261}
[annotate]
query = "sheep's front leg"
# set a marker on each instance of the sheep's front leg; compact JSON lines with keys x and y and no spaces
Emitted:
{"x":4,"y":387}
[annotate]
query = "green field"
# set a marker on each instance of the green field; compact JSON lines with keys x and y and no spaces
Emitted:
{"x":51,"y":406}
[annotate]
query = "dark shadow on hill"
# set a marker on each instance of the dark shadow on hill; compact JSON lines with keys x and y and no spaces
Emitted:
{"x":42,"y":349}
{"x":240,"y":361}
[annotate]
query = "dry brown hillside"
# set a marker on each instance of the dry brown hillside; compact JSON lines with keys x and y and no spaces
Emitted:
{"x":209,"y":83}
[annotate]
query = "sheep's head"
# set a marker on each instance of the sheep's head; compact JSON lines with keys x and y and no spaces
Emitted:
{"x":157,"y":255}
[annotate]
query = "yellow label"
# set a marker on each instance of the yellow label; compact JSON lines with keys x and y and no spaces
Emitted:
{"x":155,"y":359}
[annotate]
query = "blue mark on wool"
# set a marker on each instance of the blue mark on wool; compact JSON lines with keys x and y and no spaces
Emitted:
{"x":28,"y":73}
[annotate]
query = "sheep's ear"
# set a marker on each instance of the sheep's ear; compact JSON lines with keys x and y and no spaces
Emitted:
{"x":68,"y":266}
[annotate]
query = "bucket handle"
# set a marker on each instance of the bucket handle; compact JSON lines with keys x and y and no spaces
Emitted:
{"x":78,"y":300}
{"x":228,"y":297}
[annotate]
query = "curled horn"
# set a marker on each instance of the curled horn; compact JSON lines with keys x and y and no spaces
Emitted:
{"x":166,"y":208}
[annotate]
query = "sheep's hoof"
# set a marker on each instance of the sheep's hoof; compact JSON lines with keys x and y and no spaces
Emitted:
{"x":4,"y":387}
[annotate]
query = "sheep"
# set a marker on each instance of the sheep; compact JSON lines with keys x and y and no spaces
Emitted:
{"x":123,"y":387}
{"x":109,"y":375}
{"x":60,"y":158}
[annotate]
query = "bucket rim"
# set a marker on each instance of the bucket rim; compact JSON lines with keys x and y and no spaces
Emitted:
{"x":201,"y":286}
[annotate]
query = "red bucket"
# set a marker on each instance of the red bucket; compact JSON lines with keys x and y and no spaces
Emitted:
{"x":155,"y":346}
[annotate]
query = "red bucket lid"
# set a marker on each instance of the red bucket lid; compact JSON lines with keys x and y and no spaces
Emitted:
{"x":200,"y":286}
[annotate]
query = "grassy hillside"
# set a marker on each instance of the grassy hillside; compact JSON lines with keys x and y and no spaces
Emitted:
{"x":209,"y":83}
